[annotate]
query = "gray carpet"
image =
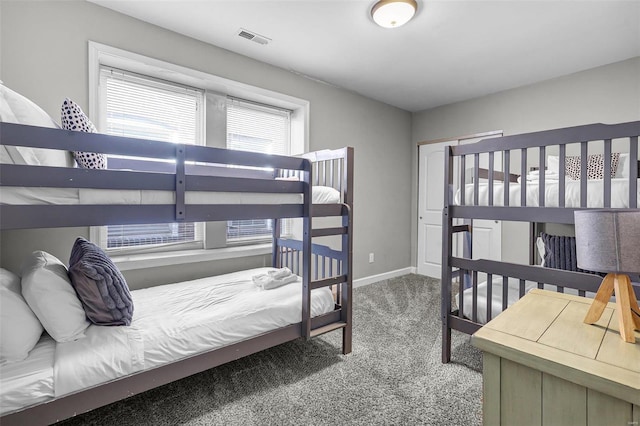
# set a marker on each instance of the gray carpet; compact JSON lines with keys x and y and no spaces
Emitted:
{"x":393,"y":376}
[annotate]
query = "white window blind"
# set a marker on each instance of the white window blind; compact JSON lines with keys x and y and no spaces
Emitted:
{"x":141,"y":107}
{"x":258,"y":128}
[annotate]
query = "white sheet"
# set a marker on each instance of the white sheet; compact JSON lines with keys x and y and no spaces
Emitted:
{"x":174,"y":321}
{"x":20,"y":195}
{"x":513,"y":294}
{"x":28,"y":381}
{"x":595,"y":193}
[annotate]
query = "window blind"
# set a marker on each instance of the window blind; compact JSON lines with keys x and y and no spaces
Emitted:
{"x":142,"y":107}
{"x":258,"y":128}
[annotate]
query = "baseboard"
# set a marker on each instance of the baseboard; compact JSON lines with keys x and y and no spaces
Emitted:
{"x":384,"y":276}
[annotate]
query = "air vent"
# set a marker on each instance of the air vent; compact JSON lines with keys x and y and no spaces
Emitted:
{"x":249,"y":35}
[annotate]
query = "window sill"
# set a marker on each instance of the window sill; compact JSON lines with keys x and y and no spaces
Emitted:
{"x":152,"y":260}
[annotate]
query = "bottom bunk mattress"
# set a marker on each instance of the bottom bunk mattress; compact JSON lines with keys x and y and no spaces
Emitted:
{"x":170,"y":322}
{"x":513,"y":295}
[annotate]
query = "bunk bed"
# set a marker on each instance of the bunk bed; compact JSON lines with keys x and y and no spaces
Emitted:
{"x":523,"y":178}
{"x":194,"y":183}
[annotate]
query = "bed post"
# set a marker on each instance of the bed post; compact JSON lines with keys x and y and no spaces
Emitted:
{"x":306,"y":250}
{"x":347,"y":251}
{"x":275,"y":250}
{"x":445,"y":284}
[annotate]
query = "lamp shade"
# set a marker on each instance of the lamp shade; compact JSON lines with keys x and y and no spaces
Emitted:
{"x":608,"y":240}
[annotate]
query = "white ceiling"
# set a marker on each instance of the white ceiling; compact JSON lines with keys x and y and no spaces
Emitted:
{"x":451,"y":51}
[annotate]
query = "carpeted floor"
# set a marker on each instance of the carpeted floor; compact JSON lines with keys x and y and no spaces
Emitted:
{"x":393,"y":376}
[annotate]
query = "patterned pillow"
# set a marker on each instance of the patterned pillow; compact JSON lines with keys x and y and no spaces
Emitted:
{"x":73,"y":118}
{"x":595,"y":166}
{"x":102,"y":289}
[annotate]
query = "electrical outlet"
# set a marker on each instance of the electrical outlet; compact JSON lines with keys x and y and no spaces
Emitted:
{"x":371,"y":258}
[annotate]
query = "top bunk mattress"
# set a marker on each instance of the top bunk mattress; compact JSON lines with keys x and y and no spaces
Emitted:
{"x":595,"y":193}
{"x":84,"y":196}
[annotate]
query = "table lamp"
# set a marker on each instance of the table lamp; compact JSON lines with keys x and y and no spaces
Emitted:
{"x":609,"y":241}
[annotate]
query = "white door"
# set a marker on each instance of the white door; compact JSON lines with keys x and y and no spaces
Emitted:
{"x":430,"y":204}
{"x":487,"y":234}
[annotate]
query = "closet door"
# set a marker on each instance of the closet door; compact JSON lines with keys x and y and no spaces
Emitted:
{"x":430,"y":205}
{"x":487,"y":233}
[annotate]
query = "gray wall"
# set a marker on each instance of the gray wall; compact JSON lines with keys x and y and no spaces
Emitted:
{"x":44,"y":57}
{"x":607,"y":94}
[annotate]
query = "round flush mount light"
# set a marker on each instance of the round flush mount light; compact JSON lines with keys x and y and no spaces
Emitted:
{"x":393,"y":13}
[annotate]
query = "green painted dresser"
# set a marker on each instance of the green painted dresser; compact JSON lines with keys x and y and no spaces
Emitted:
{"x":543,"y":366}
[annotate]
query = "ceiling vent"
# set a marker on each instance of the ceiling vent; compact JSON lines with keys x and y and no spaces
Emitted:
{"x":250,"y":35}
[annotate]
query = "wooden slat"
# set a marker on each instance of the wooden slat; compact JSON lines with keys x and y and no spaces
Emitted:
{"x":541,"y":176}
{"x":606,"y":410}
{"x":327,"y":328}
{"x":633,"y":172}
{"x":523,"y":173}
{"x":585,"y":339}
{"x":328,"y":281}
{"x":490,"y":176}
{"x":507,"y":184}
{"x":520,"y":405}
{"x":563,"y":402}
{"x":489,"y":298}
{"x":491,"y":389}
{"x":566,"y":135}
{"x":616,"y":351}
{"x":463,"y":179}
{"x":535,"y":326}
{"x":476,"y":179}
{"x":607,"y":173}
{"x":323,"y":232}
{"x":562,"y":162}
{"x":583,"y":174}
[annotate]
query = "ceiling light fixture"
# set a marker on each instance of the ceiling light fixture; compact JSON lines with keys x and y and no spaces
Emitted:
{"x":393,"y":13}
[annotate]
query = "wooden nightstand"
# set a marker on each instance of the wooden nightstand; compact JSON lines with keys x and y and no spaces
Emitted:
{"x":544,"y":366}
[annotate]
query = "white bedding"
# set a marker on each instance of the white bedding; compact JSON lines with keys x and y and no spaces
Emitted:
{"x":595,"y":193}
{"x":513,"y":294}
{"x":20,"y":195}
{"x":174,"y":321}
{"x":29,"y":381}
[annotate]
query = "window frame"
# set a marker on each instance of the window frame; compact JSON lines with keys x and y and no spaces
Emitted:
{"x":216,"y":89}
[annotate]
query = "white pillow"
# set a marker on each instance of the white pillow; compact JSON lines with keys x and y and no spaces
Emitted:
{"x":541,"y":249}
{"x":15,"y":108}
{"x":20,"y":329}
{"x":553,"y":164}
{"x":324,"y":195}
{"x":623,"y":166}
{"x":47,"y":289}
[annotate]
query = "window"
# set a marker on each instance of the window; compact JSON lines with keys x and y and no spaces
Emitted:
{"x":127,"y":97}
{"x":141,"y":107}
{"x":258,"y":128}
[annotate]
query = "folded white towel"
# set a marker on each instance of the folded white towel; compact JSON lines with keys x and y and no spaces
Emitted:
{"x":267,"y":282}
{"x":280,"y":273}
{"x":534,"y":176}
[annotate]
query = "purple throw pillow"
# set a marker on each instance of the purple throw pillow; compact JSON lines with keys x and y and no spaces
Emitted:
{"x":102,"y":289}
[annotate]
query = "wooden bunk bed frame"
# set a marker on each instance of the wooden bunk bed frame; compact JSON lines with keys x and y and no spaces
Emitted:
{"x":464,"y":268}
{"x":331,"y":166}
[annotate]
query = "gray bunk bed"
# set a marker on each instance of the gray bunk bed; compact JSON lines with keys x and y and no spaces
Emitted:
{"x":206,"y":171}
{"x":480,"y":183}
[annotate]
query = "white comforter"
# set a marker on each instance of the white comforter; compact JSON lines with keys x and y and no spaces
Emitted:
{"x":169,"y":323}
{"x":595,"y":193}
